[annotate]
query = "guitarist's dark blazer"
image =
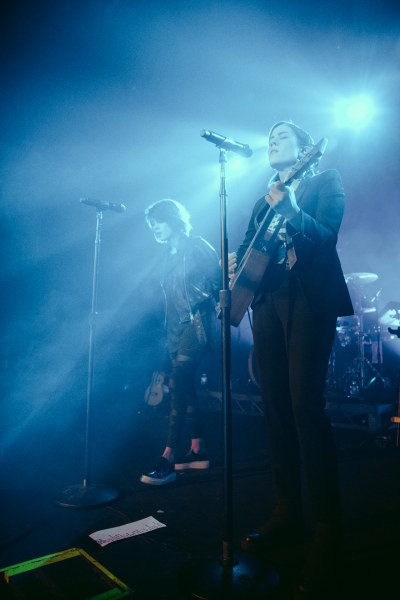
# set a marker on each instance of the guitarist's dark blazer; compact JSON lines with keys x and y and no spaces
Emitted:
{"x":318,"y":269}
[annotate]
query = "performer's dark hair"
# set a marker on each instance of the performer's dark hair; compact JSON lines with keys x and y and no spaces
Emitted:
{"x":171,"y":212}
{"x":304,"y":139}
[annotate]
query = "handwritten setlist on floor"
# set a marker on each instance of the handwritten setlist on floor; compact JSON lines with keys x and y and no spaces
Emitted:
{"x":106,"y":536}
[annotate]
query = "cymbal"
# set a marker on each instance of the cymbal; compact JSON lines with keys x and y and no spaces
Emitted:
{"x":361,"y":278}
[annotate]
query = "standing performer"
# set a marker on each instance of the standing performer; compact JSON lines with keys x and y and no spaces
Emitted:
{"x":295,"y":309}
{"x":191,"y":281}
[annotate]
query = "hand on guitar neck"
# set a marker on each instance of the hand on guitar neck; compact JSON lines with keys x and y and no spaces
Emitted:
{"x":282,"y":199}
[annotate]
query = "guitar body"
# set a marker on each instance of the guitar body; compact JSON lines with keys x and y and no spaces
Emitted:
{"x":258,"y":255}
{"x":253,"y":266}
{"x":155,"y":393}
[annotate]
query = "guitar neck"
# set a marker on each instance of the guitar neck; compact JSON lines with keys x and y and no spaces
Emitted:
{"x":306,"y":161}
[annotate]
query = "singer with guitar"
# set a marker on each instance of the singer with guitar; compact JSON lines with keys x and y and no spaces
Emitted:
{"x":295,"y":308}
{"x":190,"y":279}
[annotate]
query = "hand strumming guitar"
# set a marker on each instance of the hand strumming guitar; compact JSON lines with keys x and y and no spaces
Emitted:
{"x":232,"y":264}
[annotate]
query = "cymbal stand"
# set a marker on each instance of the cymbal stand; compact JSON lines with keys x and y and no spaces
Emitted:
{"x":359,"y":368}
{"x":333,"y":384}
{"x":377,"y":376}
{"x":355,"y":374}
{"x":378,"y":330}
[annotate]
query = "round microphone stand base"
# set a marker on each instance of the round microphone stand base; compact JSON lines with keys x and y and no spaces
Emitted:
{"x":248,"y":578}
{"x":86,"y":496}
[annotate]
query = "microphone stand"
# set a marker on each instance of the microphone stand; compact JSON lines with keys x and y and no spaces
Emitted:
{"x":89,"y":495}
{"x":378,"y":330}
{"x":230,"y":576}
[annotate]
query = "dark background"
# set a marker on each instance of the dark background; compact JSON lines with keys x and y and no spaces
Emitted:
{"x":106,"y":99}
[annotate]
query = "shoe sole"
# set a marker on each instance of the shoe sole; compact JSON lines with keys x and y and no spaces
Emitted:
{"x":153,"y":481}
{"x":199,"y":464}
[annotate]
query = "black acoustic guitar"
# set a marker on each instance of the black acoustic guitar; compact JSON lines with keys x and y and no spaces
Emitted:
{"x":262,"y":247}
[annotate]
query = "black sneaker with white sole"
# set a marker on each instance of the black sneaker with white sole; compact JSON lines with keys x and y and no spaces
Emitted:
{"x":192,"y":460}
{"x":162,"y":473}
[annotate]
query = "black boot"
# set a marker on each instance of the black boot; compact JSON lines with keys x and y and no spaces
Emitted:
{"x":286,"y":527}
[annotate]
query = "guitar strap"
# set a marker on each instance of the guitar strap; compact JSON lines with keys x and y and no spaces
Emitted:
{"x":261,"y":213}
{"x":290,"y":250}
{"x":287,"y":243}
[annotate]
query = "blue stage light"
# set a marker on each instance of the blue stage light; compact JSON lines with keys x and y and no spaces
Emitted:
{"x":358,"y":111}
{"x":235,"y":165}
{"x":354,"y":112}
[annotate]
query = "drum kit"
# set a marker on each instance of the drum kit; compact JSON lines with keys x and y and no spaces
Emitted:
{"x":356,"y":358}
{"x":354,"y":370}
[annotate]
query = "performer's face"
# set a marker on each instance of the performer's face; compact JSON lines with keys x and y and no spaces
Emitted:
{"x":162,"y":231}
{"x":284,"y":148}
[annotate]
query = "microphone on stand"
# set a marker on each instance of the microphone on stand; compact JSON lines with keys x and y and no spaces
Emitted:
{"x":100,"y":205}
{"x":227,"y":143}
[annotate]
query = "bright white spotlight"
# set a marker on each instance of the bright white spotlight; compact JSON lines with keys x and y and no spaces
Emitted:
{"x":354,"y":112}
{"x":358,"y":111}
{"x":235,"y":165}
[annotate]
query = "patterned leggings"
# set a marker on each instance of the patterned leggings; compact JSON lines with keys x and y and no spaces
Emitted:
{"x":184,"y":401}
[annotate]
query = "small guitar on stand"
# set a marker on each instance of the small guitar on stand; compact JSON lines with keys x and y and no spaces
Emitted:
{"x":155,"y":392}
{"x":258,"y":255}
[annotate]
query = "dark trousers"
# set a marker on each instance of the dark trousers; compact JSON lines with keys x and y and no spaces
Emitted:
{"x":182,"y":387}
{"x":292,"y":349}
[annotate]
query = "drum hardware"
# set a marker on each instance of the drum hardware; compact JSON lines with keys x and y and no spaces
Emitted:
{"x":360,"y":278}
{"x":354,"y":378}
{"x":378,"y":330}
{"x":380,"y":440}
{"x":347,"y":334}
{"x":397,"y":419}
{"x":366,"y":311}
{"x":361,"y":376}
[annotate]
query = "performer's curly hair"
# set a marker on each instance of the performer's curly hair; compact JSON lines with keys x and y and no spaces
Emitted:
{"x":171,"y":212}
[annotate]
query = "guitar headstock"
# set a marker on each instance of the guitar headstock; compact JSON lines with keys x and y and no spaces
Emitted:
{"x":308,"y":159}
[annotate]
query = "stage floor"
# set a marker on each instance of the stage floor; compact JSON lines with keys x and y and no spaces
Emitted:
{"x":126,"y":441}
